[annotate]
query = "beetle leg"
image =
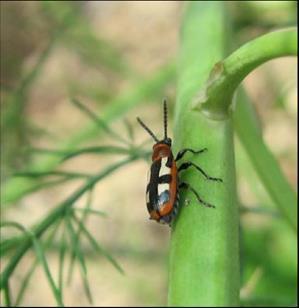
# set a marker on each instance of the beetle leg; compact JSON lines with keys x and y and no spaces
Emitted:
{"x":183,"y":152}
{"x":188,"y":164}
{"x":184,"y":185}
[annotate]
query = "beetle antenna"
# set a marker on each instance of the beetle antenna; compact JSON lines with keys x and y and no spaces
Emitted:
{"x":165,"y":118}
{"x":147,"y":129}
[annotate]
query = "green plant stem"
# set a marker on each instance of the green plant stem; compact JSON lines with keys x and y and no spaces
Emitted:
{"x":62,"y":253}
{"x":25,"y":280}
{"x":216,"y":96}
{"x":52,"y":173}
{"x":204,"y":252}
{"x":41,"y":257}
{"x":65,"y":155}
{"x":7,"y":295}
{"x":99,"y":122}
{"x":77,"y":236}
{"x":95,"y":245}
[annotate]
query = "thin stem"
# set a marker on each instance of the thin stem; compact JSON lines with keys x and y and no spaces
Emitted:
{"x":98,"y":121}
{"x":109,"y":149}
{"x":66,"y":174}
{"x":78,"y":234}
{"x":96,"y":246}
{"x":7,"y":295}
{"x":41,"y":257}
{"x":25,"y":281}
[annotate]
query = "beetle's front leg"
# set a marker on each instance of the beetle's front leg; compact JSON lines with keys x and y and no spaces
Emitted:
{"x":183,"y":152}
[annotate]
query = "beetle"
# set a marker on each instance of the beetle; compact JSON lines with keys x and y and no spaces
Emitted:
{"x":164,"y":185}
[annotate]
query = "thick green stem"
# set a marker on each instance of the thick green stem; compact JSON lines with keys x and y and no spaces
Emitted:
{"x":204,"y":255}
{"x":204,"y":258}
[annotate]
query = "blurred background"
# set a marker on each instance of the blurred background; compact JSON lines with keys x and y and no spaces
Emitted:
{"x":118,"y":59}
